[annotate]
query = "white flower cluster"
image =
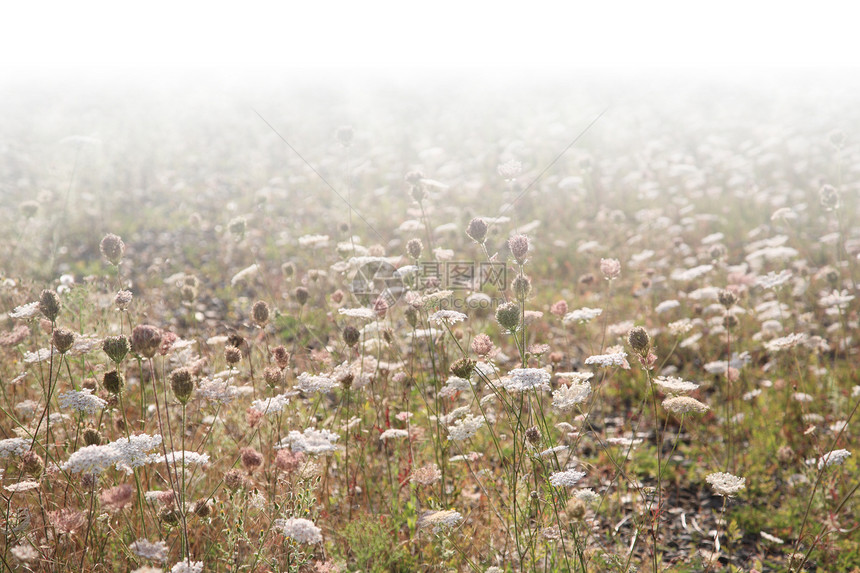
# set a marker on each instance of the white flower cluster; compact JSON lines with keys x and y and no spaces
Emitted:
{"x":81,"y":400}
{"x":125,"y":454}
{"x":725,"y":484}
{"x":440,"y":520}
{"x":566,"y":397}
{"x":311,"y":441}
{"x":13,"y":447}
{"x":465,"y":428}
{"x":215,"y":390}
{"x":666,"y":305}
{"x":832,"y":458}
{"x":300,"y":530}
{"x":785,"y":342}
{"x":393,"y":433}
{"x":566,"y":478}
{"x":187,"y":566}
{"x":175,"y":458}
{"x":684,"y":405}
{"x":449,"y":317}
{"x":28,"y":310}
{"x":773,"y":280}
{"x":309,"y":384}
{"x":614,"y":359}
{"x":155,"y":551}
{"x":453,"y":385}
{"x":687,"y":275}
{"x":363,"y":313}
{"x":271,"y":405}
{"x":674,"y":384}
{"x":581,"y":315}
{"x":523,"y":379}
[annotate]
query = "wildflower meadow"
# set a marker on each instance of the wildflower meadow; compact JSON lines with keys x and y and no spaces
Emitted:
{"x":606,"y":326}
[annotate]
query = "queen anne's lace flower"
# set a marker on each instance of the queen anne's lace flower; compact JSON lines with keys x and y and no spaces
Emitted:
{"x":832,"y":458}
{"x":449,"y":317}
{"x":614,"y":359}
{"x":124,"y":453}
{"x":311,"y":441}
{"x":523,"y":379}
{"x":175,"y":458}
{"x":13,"y":447}
{"x":28,"y":310}
{"x":363,"y":313}
{"x":684,"y":405}
{"x":187,"y":566}
{"x":581,"y":315}
{"x":725,"y":484}
{"x":271,"y":405}
{"x":81,"y":400}
{"x":465,"y":428}
{"x":308,"y":383}
{"x":566,"y":478}
{"x":300,"y":530}
{"x":439,"y":520}
{"x":674,"y":384}
{"x":153,"y":550}
{"x":393,"y":433}
{"x":566,"y":397}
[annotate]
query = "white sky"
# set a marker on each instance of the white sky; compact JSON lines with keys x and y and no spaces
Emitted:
{"x":106,"y":38}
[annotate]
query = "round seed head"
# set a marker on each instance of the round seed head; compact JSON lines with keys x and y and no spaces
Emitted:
{"x":727,"y":298}
{"x":301,"y":294}
{"x":575,"y":509}
{"x":411,"y":314}
{"x":201,"y":508}
{"x":182,"y":384}
{"x":272,"y":376}
{"x":112,"y":248}
{"x":49,"y":304}
{"x":145,"y":340}
{"x":639,"y":340}
{"x":32,"y":463}
{"x":232,"y":355}
{"x":251,"y":459}
{"x":414,"y":248}
{"x":260,"y":313}
{"x":463,"y":368}
{"x":123,"y":299}
{"x":281,"y":356}
{"x":92,"y":437}
{"x":63,"y":339}
{"x":519,"y":247}
{"x":113,"y":382}
{"x":829,"y":197}
{"x":522,"y":286}
{"x":116,"y":347}
{"x":477,"y":230}
{"x":508,"y":315}
{"x":351,"y":335}
{"x":482,"y":345}
{"x":533,"y":435}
